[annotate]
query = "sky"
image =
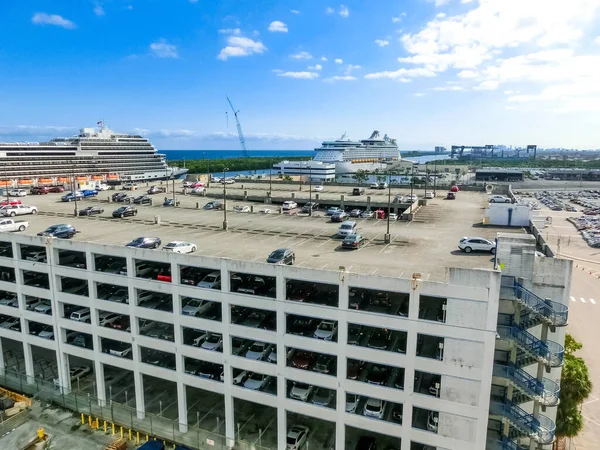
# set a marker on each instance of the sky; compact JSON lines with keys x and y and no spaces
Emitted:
{"x":426,"y":72}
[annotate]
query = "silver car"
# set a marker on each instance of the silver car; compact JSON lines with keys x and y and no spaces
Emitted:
{"x":211,"y":281}
{"x":257,"y":381}
{"x":258,"y":351}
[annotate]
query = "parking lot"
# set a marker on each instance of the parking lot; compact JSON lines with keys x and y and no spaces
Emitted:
{"x":429,"y":244}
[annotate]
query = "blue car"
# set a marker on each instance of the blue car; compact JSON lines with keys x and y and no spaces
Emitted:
{"x":64,"y":231}
{"x":72,"y":196}
{"x":89,"y":193}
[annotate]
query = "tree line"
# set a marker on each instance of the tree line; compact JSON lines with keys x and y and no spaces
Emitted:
{"x":233,"y":164}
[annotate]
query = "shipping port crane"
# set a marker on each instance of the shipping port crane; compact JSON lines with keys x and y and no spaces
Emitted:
{"x":239,"y":129}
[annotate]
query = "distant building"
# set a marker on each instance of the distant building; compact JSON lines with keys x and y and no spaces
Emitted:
{"x":498,"y":175}
{"x":440,"y":149}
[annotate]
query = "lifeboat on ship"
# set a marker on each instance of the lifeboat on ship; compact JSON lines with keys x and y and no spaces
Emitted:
{"x":112,"y":176}
{"x":62,"y":180}
{"x":6,"y":183}
{"x":97,"y":177}
{"x":45,"y":181}
{"x":25,"y":182}
{"x":81,"y":178}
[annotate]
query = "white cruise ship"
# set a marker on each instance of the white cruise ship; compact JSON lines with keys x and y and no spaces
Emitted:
{"x":344,"y":156}
{"x":96,"y":154}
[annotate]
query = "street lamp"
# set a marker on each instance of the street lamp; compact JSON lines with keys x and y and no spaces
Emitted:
{"x":386,"y":238}
{"x":73,"y":192}
{"x":310,"y":209}
{"x":270,"y":178}
{"x":225,"y":169}
{"x":412,"y":183}
{"x":434,"y":176}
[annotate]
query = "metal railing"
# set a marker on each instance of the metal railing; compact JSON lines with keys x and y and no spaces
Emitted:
{"x":541,"y":429}
{"x":546,"y":391}
{"x":550,"y":352}
{"x":121,"y":415}
{"x":555,"y":313}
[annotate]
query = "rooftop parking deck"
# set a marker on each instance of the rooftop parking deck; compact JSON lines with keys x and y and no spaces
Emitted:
{"x":429,"y":245}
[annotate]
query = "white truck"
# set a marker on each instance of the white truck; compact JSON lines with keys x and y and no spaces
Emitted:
{"x":17,"y":210}
{"x":12,"y":225}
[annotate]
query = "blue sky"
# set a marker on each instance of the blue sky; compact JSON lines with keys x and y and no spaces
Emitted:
{"x":427,"y":72}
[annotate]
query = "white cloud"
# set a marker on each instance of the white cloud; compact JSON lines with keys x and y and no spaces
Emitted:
{"x":401,"y":74}
{"x":382,"y":42}
{"x":351,"y":67}
{"x":52,"y":19}
{"x":278,"y":27}
{"x":487,"y":85}
{"x":510,"y":92}
{"x":329,"y":10}
{"x":419,"y":94}
{"x":162,"y":49}
{"x":297,"y":75}
{"x":441,"y":2}
{"x":99,"y":10}
{"x":323,"y":58}
{"x":398,"y":19}
{"x":315,"y":67}
{"x":241,"y":46}
{"x":467,"y":74}
{"x":129,"y":7}
{"x":440,"y":15}
{"x":294,"y":11}
{"x":301,"y":55}
{"x":344,"y":11}
{"x":597,"y":40}
{"x":339,"y":61}
{"x":448,"y":88}
{"x":234,"y":31}
{"x":341,"y":78}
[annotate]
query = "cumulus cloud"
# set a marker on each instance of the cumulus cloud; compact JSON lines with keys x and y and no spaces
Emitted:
{"x":448,"y":88}
{"x":297,"y":75}
{"x":278,"y":27}
{"x":341,"y":78}
{"x":294,"y":11}
{"x":234,"y":31}
{"x":162,"y":49}
{"x":402,"y":74}
{"x":339,"y":61}
{"x":52,"y":19}
{"x":382,"y":42}
{"x":398,"y":19}
{"x":315,"y":67}
{"x":35,"y":131}
{"x":238,"y":46}
{"x":467,"y":74}
{"x":344,"y":11}
{"x":351,"y":67}
{"x":301,"y":55}
{"x":98,"y":10}
{"x":329,"y":10}
{"x":323,"y":58}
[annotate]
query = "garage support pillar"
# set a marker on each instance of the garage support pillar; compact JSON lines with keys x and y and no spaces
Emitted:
{"x":100,"y":385}
{"x":182,"y":407}
{"x":281,"y":426}
{"x":28,"y":363}
{"x":230,"y":436}
{"x":140,"y":405}
{"x":2,"y":363}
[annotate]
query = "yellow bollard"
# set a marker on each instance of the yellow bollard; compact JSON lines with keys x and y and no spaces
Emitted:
{"x":97,"y":423}
{"x":90,"y":421}
{"x":105,"y":426}
{"x":82,"y":418}
{"x":146,"y":438}
{"x":121,"y":432}
{"x":130,"y":434}
{"x":137,"y":437}
{"x":41,"y":434}
{"x":113,"y":429}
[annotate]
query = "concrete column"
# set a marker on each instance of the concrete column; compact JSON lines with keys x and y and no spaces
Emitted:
{"x":100,"y":385}
{"x":280,"y":296}
{"x":28,"y":363}
{"x":230,"y":435}
{"x":342,"y":201}
{"x":2,"y":363}
{"x":281,"y":425}
{"x":182,"y":407}
{"x":138,"y":380}
{"x":368,"y":202}
{"x":340,"y":427}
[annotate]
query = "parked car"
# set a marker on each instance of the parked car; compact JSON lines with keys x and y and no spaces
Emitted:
{"x":318,"y":188}
{"x":91,"y":210}
{"x":469,"y":244}
{"x":211,"y":281}
{"x":303,"y":360}
{"x":71,"y":196}
{"x":142,"y":200}
{"x":58,"y":189}
{"x":241,"y":208}
{"x":351,"y":402}
{"x":75,"y":373}
{"x":326,"y":330}
{"x":130,"y":186}
{"x":215,"y":204}
{"x":429,"y":195}
{"x":10,"y":322}
{"x":39,"y":190}
{"x":346,"y":228}
{"x":355,"y":212}
{"x":106,"y":319}
{"x":374,"y":408}
{"x":17,"y":192}
{"x":125,"y":211}
{"x":213,"y":342}
{"x":145,"y":242}
{"x":296,"y":437}
{"x":378,"y":374}
{"x":358,"y":191}
{"x":382,"y":185}
{"x":64,"y":231}
{"x":322,"y":396}
{"x":17,"y":210}
{"x":339,"y":216}
{"x":325,"y":363}
{"x":171,"y":202}
{"x":156,"y":190}
{"x":289,"y":205}
{"x":374,"y":185}
{"x":257,"y":381}
{"x":353,"y":241}
{"x":333,"y":210}
{"x":310,"y":206}
{"x":10,"y":201}
{"x":258,"y":351}
{"x":499,"y":199}
{"x":450,"y":196}
{"x":367,"y":443}
{"x":282,"y":256}
{"x":301,"y":391}
{"x":379,"y":339}
{"x":81,"y":315}
{"x":180,"y":247}
{"x":89,"y":193}
{"x":8,"y":225}
{"x":367,"y":215}
{"x":195,"y":307}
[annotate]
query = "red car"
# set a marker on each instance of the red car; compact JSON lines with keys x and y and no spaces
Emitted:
{"x":303,"y":360}
{"x":10,"y":201}
{"x":454,"y":188}
{"x":56,"y":189}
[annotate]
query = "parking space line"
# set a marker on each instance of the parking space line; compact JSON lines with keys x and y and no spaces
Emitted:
{"x":592,"y":301}
{"x":582,"y":299}
{"x":573,"y":299}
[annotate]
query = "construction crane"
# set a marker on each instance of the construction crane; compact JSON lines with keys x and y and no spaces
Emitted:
{"x":239,"y":129}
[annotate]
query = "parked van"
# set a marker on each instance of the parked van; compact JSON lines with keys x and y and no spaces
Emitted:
{"x":358,"y":191}
{"x":81,"y":315}
{"x":347,"y":227}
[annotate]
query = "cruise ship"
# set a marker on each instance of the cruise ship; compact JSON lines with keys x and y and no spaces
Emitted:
{"x":344,"y":156}
{"x":95,"y":155}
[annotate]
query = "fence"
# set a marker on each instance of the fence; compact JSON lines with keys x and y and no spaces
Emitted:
{"x":13,"y":422}
{"x":118,"y":414}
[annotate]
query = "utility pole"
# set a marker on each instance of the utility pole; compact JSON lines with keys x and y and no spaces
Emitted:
{"x":386,"y":238}
{"x":225,"y":169}
{"x":412,"y":182}
{"x":310,"y":210}
{"x":434,"y":176}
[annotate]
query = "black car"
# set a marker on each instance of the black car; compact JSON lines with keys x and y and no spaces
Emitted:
{"x":339,"y":216}
{"x":91,"y":210}
{"x":377,"y":374}
{"x":142,"y":200}
{"x":145,"y":242}
{"x":310,"y":206}
{"x":124,"y":197}
{"x":117,"y":195}
{"x":124,"y":211}
{"x":379,"y":340}
{"x":325,"y":364}
{"x":192,"y":275}
{"x":353,"y":241}
{"x":64,"y":231}
{"x":301,"y":326}
{"x":282,"y":256}
{"x":355,"y":334}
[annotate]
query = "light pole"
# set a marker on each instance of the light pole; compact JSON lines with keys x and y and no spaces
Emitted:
{"x":386,"y":238}
{"x":73,"y":192}
{"x":434,"y":177}
{"x":225,"y":169}
{"x":412,"y":182}
{"x":310,"y":210}
{"x":270,"y":179}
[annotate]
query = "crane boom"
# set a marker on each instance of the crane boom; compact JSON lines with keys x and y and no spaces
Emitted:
{"x":239,"y":129}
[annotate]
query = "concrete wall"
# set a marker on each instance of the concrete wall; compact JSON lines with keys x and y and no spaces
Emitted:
{"x":498,"y":214}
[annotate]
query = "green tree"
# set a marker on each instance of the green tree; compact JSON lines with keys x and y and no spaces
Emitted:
{"x":575,"y":387}
{"x":287,"y":178}
{"x":381,"y":178}
{"x":361,"y":176}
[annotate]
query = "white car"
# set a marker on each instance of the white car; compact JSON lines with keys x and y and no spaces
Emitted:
{"x":198,"y":190}
{"x":266,"y":211}
{"x":44,"y":308}
{"x":326,"y":330}
{"x":214,"y":342}
{"x":241,"y":208}
{"x":351,"y":402}
{"x":10,"y":322}
{"x":75,"y":373}
{"x":499,"y":199}
{"x":318,"y":188}
{"x":410,"y":198}
{"x":367,"y":215}
{"x":18,"y":210}
{"x":130,"y":186}
{"x":195,"y":307}
{"x":11,"y":300}
{"x":37,"y":256}
{"x":17,"y":192}
{"x":374,"y":408}
{"x":469,"y":244}
{"x":258,"y":351}
{"x":374,"y":186}
{"x":257,"y":381}
{"x":289,"y":205}
{"x":429,"y":195}
{"x":393,"y":216}
{"x":105,"y":319}
{"x":211,"y":281}
{"x":301,"y":391}
{"x":180,"y":247}
{"x":296,"y":437}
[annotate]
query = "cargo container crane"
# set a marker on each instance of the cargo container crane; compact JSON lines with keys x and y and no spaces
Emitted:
{"x":239,"y":129}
